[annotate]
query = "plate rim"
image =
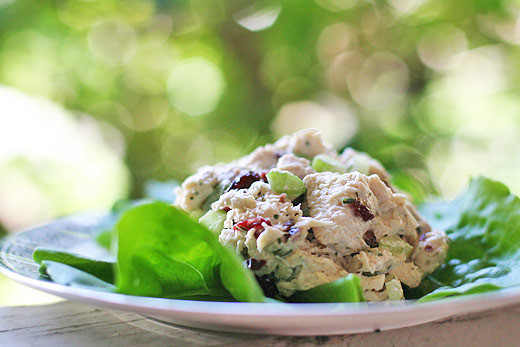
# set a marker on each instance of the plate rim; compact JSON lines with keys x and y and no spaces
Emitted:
{"x":232,"y":311}
{"x":500,"y":297}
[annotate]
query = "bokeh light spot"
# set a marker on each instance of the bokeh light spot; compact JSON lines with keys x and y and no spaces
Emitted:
{"x":259,"y":16}
{"x":112,"y":42}
{"x":334,"y":40}
{"x":60,"y":164}
{"x":333,"y":118}
{"x":336,"y":5}
{"x":146,"y":114}
{"x":440,"y":46}
{"x":406,"y":6}
{"x":195,"y":86}
{"x":462,"y":96}
{"x":381,"y":82}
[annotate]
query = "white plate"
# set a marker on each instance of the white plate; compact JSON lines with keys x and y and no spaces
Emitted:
{"x":75,"y":233}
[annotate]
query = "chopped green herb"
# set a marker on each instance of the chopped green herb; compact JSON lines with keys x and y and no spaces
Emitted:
{"x":282,"y":252}
{"x":348,"y":200}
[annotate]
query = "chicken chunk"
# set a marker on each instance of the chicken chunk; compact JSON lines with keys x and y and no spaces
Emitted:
{"x":357,"y":205}
{"x":431,"y":251}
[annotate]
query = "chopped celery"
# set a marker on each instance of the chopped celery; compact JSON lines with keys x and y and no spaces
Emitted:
{"x":214,"y":220}
{"x":359,"y":163}
{"x":323,"y":162}
{"x":396,"y":245}
{"x":286,"y":182}
{"x":214,"y":196}
{"x":394,"y":290}
{"x":196,"y":214}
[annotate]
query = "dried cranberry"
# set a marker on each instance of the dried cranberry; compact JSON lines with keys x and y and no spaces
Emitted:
{"x":226,"y":209}
{"x":361,"y":210}
{"x":252,"y":223}
{"x":244,"y":181}
{"x":264,"y":176}
{"x":370,"y":239}
{"x":255,"y":264}
{"x":428,"y":248}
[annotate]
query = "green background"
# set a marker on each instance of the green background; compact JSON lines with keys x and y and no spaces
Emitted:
{"x":99,"y":97}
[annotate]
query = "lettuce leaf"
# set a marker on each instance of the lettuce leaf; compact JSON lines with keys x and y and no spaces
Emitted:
{"x":71,"y":276}
{"x":95,"y":267}
{"x":483,"y":224}
{"x":346,"y":289}
{"x":164,"y":253}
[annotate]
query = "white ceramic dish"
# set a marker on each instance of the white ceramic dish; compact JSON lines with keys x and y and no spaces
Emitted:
{"x":75,"y":233}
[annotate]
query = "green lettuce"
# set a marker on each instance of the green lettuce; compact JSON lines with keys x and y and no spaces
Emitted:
{"x":104,"y":270}
{"x":483,"y":224}
{"x":162,"y":252}
{"x":346,"y":289}
{"x":71,"y":276}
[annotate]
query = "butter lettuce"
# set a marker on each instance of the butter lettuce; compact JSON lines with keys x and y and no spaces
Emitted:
{"x":162,"y":252}
{"x":71,"y":276}
{"x":483,"y":224}
{"x":346,"y":289}
{"x":102,"y":269}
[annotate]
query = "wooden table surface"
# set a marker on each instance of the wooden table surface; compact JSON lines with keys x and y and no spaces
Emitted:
{"x":73,"y":324}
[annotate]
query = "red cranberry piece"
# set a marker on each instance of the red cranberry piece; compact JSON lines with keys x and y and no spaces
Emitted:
{"x":255,"y":264}
{"x":244,"y":181}
{"x":361,"y":210}
{"x":370,"y":239}
{"x":252,"y":223}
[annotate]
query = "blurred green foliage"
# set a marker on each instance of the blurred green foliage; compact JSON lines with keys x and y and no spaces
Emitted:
{"x":3,"y":232}
{"x":428,"y":87}
{"x":192,"y":82}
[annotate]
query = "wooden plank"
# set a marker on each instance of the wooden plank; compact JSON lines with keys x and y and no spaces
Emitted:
{"x":73,"y":324}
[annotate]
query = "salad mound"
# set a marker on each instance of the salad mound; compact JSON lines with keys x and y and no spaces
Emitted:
{"x":299,"y":223}
{"x":303,"y":216}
